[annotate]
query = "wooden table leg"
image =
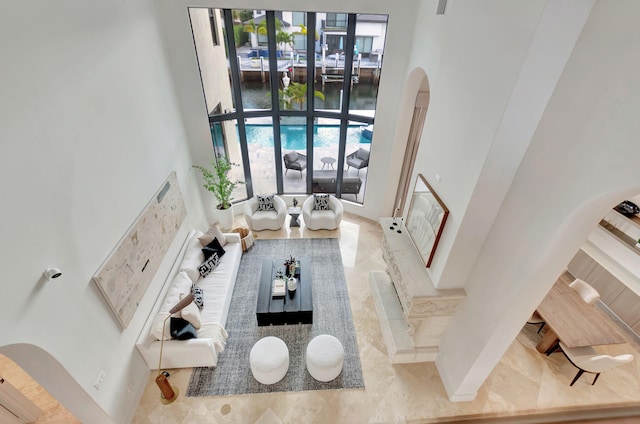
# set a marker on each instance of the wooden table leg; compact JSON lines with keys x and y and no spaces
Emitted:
{"x":549,"y":340}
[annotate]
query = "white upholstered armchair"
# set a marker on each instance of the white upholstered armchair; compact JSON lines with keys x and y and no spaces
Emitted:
{"x":259,"y":219}
{"x":322,"y":219}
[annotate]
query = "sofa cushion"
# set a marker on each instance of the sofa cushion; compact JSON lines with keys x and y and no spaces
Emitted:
{"x":157,"y":327}
{"x":193,"y":258}
{"x":321,"y":202}
{"x":291,"y":156}
{"x":265,"y":202}
{"x":181,"y":329}
{"x":213,"y":232}
{"x":213,"y":247}
{"x":218,"y":286}
{"x":180,"y":286}
{"x":362,"y":154}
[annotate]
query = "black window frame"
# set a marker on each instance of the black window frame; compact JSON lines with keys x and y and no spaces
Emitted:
{"x":240,"y":114}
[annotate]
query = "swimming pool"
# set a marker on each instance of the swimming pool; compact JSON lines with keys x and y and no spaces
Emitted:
{"x":294,"y":137}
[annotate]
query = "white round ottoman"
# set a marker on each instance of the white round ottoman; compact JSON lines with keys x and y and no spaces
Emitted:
{"x":269,"y":359}
{"x":325,"y":356}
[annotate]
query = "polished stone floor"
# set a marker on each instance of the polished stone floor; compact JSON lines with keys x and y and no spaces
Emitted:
{"x":52,"y":411}
{"x":524,"y":387}
{"x":524,"y":382}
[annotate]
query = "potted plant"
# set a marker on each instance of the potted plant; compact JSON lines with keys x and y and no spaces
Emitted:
{"x":217,"y":181}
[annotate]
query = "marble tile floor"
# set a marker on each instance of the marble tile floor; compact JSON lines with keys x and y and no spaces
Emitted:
{"x":525,"y":387}
{"x":52,"y":411}
{"x":524,"y":383}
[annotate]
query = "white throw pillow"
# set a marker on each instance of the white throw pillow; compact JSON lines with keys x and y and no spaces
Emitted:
{"x":213,"y":232}
{"x":191,"y":313}
{"x":182,"y":285}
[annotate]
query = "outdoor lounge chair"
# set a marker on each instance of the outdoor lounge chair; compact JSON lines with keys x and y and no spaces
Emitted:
{"x":295,"y":160}
{"x":358,"y":159}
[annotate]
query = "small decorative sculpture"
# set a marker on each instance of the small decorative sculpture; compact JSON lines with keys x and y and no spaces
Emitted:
{"x":290,"y":266}
{"x":295,"y":202}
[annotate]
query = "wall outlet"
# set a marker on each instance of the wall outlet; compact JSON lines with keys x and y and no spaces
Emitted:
{"x":99,"y":380}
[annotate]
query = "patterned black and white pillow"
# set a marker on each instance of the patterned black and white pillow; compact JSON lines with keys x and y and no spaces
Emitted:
{"x":209,"y":265}
{"x":198,"y":297}
{"x":321,"y":202}
{"x":265,"y":202}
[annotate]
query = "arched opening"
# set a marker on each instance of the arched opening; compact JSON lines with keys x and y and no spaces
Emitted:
{"x":609,"y":262}
{"x":522,"y":292}
{"x":416,"y":89}
{"x":47,"y":372}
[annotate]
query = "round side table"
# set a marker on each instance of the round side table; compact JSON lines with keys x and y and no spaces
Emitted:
{"x":327,"y":161}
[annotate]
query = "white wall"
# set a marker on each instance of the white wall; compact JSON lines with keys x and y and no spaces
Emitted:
{"x":90,"y":130}
{"x":101,"y":101}
{"x":580,"y":162}
{"x":375,"y":30}
{"x":473,"y":66}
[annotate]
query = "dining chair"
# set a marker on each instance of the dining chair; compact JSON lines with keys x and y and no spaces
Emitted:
{"x":585,"y":290}
{"x":586,"y":359}
{"x":536,"y":319}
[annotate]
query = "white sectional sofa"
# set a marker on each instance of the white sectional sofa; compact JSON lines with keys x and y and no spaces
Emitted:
{"x":217,"y":288}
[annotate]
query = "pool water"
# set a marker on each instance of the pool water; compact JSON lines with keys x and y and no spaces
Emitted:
{"x":294,"y":137}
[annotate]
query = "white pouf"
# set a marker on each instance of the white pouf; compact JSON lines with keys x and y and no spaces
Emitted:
{"x":325,"y":357}
{"x":269,"y":359}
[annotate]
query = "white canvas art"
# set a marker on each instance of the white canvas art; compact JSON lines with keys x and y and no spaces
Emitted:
{"x":124,"y":276}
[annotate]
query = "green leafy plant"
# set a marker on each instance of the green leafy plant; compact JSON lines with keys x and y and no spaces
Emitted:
{"x":282,"y":37}
{"x":296,"y":93}
{"x":217,"y":181}
{"x":303,"y":31}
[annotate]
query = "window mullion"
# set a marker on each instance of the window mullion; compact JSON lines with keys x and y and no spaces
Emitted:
{"x":346,"y":95}
{"x":275,"y":100}
{"x":311,"y":66}
{"x":235,"y":86}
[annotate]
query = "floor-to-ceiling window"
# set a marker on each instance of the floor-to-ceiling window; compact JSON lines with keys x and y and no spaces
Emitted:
{"x":291,"y":96}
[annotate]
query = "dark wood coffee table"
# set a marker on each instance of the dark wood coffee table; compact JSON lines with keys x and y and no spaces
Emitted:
{"x":294,"y":307}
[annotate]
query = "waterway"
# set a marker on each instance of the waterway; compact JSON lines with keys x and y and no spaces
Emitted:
{"x":256,"y":95}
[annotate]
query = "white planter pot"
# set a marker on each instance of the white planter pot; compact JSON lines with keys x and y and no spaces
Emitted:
{"x":225,"y":218}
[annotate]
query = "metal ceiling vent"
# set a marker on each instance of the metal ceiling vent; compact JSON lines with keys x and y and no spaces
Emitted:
{"x":442,"y":4}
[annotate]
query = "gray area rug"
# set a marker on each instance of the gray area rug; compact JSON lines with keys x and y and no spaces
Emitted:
{"x":331,"y":315}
